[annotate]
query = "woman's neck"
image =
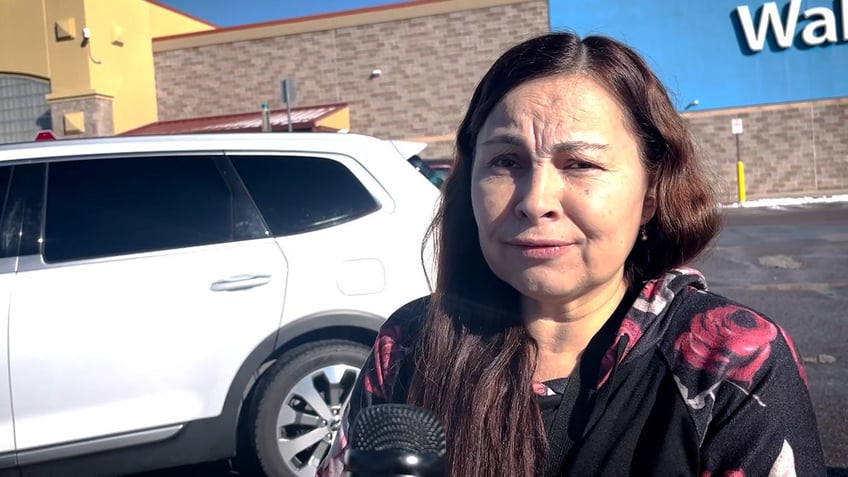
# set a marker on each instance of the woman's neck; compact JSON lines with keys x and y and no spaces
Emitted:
{"x":563,"y":330}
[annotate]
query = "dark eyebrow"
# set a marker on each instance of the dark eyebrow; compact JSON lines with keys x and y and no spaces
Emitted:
{"x":510,"y":139}
{"x":574,"y":146}
{"x":562,"y":147}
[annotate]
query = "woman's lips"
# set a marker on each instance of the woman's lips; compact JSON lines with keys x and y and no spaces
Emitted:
{"x":541,"y":249}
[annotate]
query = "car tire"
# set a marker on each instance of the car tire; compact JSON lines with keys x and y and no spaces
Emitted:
{"x":290,"y":429}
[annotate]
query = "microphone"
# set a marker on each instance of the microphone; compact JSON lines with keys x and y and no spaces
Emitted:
{"x":396,"y":440}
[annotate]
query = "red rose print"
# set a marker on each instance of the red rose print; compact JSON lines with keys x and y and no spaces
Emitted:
{"x":631,"y":329}
{"x":376,"y":382}
{"x":540,"y":389}
{"x":607,"y":362}
{"x":648,"y":290}
{"x":727,"y":341}
{"x":372,"y":385}
{"x":634,"y":332}
{"x":729,"y":473}
{"x":386,"y":347}
{"x":798,"y":364}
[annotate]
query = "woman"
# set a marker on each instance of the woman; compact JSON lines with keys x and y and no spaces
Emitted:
{"x":565,"y":335}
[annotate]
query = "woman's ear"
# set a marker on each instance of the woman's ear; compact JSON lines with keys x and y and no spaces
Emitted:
{"x":649,"y":206}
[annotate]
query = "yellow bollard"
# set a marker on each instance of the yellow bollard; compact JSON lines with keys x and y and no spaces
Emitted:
{"x":740,"y":180}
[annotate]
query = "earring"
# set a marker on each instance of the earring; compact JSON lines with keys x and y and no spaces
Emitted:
{"x":643,"y":234}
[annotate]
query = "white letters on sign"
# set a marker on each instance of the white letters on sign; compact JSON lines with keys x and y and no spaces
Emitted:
{"x":821,"y":29}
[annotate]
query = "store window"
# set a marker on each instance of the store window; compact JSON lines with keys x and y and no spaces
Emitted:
{"x":23,"y":108}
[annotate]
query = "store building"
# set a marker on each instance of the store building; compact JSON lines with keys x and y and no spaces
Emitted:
{"x":778,"y":66}
{"x":406,"y":71}
{"x":80,"y":67}
{"x":401,"y":71}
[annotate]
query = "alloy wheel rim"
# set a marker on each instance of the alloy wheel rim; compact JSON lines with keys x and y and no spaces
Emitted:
{"x":311,"y":415}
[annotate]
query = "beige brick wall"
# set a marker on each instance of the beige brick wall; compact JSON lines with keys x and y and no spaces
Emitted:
{"x":792,"y":149}
{"x":97,"y":116}
{"x":430,"y":66}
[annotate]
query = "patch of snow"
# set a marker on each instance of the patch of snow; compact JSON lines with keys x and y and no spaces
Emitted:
{"x":780,"y":202}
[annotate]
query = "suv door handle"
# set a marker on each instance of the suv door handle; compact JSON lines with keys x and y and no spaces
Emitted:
{"x":240,"y":282}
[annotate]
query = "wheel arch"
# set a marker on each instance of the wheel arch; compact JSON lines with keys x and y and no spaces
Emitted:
{"x":351,"y":325}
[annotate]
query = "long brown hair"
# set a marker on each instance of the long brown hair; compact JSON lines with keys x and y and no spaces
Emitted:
{"x":474,"y":361}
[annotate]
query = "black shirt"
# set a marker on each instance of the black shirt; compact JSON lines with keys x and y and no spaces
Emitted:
{"x":603,"y":339}
{"x":549,"y":404}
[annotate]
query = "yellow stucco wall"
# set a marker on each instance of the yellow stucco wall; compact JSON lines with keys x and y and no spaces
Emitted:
{"x":119,"y":59}
{"x":23,"y":41}
{"x":116,"y":62}
{"x":165,"y":22}
{"x":337,"y":120}
{"x":67,"y":60}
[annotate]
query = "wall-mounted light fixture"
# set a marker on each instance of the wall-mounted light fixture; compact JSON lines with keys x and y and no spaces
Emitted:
{"x":691,"y":105}
{"x":86,"y":43}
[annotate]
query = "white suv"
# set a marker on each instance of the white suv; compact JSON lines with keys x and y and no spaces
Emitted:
{"x":174,"y":299}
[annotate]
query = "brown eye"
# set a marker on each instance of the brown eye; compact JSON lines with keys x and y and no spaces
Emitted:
{"x":505,"y":161}
{"x":580,"y":165}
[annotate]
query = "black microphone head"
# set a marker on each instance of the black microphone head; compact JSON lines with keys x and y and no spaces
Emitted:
{"x":398,"y":427}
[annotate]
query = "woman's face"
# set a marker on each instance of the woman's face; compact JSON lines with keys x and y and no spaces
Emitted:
{"x":558,"y":189}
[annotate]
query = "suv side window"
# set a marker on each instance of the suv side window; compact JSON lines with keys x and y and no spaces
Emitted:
{"x":102,"y":207}
{"x":21,"y":226}
{"x":302,"y":194}
{"x":7,"y":230}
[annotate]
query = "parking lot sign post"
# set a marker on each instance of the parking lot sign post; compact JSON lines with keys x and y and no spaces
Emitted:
{"x":737,"y":129}
{"x":266,"y":118}
{"x":288,"y":92}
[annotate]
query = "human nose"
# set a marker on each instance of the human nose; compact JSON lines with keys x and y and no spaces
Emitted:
{"x":540,"y":193}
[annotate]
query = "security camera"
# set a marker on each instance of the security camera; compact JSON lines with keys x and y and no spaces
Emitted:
{"x":86,"y":33}
{"x":375,"y":73}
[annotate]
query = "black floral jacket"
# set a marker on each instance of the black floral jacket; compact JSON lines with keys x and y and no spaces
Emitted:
{"x":693,"y":385}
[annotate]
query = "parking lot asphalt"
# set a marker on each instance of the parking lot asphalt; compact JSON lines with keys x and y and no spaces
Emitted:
{"x":791,"y":264}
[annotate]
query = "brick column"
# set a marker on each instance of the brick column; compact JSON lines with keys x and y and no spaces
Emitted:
{"x":82,"y":116}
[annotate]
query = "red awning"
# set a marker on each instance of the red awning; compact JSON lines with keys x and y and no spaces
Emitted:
{"x":303,"y":119}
